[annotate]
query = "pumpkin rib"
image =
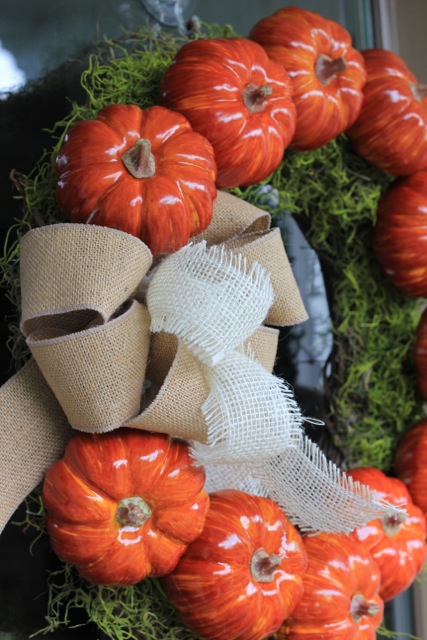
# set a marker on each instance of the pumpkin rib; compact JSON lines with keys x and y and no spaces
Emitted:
{"x":70,"y":483}
{"x":298,"y":39}
{"x":223,"y":62}
{"x":130,"y":191}
{"x":76,"y":544}
{"x":163,"y":132}
{"x":75,"y":155}
{"x":214,"y":587}
{"x":389,"y":105}
{"x":117,"y":114}
{"x":398,"y":547}
{"x":90,"y":456}
{"x":211,"y":83}
{"x":145,"y":473}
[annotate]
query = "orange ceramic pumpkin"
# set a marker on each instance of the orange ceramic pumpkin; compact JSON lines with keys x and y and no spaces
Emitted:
{"x":238,"y":98}
{"x":396,"y":544}
{"x":327,"y":73}
{"x":341,"y":599}
{"x":124,"y":505}
{"x":145,"y":172}
{"x":243,"y":575}
{"x":391,"y":129}
{"x":411,"y":463}
{"x":399,"y":239}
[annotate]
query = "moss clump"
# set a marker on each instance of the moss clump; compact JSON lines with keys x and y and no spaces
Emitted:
{"x":139,"y":612}
{"x":372,"y":396}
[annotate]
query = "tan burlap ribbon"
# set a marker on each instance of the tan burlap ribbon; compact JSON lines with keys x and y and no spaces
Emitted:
{"x":95,"y":364}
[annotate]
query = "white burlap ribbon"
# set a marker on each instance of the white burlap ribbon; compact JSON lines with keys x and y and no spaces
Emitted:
{"x":214,"y":301}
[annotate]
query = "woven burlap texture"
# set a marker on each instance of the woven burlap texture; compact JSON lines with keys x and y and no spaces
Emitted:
{"x":174,"y":373}
{"x":251,"y":416}
{"x":303,"y":476}
{"x":64,"y":270}
{"x":76,"y":282}
{"x":34,"y":432}
{"x":221,"y":302}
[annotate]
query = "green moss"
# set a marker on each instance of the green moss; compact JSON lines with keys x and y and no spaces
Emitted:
{"x":122,"y":613}
{"x":333,"y":195}
{"x":383,"y":632}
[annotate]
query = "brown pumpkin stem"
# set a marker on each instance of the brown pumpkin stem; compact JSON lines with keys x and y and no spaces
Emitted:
{"x":132,"y":512}
{"x":139,"y":160}
{"x":254,"y":97}
{"x":359,"y":608}
{"x":327,"y":68}
{"x":392,"y":523}
{"x":419,"y":91}
{"x":263,"y":565}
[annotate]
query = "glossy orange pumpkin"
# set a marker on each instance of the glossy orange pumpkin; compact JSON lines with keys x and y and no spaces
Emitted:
{"x":420,"y":356}
{"x":410,"y":463}
{"x":396,"y":544}
{"x":327,"y":73}
{"x":239,"y":99}
{"x":145,"y":172}
{"x":341,"y":600}
{"x":399,"y":238}
{"x":242,"y":576}
{"x":124,"y":505}
{"x":391,"y":129}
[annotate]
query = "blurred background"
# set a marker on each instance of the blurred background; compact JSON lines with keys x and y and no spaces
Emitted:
{"x":36,"y":37}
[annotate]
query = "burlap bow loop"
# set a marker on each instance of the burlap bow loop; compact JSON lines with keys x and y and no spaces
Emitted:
{"x":64,"y":269}
{"x":74,"y":278}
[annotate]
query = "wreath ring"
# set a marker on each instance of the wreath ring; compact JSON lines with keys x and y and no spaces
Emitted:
{"x":332,"y":194}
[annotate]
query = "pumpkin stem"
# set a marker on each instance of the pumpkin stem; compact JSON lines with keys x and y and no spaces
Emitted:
{"x":139,"y":160}
{"x":263,"y":565}
{"x":132,"y":512}
{"x":254,"y":97}
{"x":419,"y":91}
{"x":359,"y":608}
{"x":327,"y":68}
{"x":392,"y":523}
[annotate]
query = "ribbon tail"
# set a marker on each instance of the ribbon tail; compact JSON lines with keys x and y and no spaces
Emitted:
{"x":33,"y":434}
{"x":315,"y":494}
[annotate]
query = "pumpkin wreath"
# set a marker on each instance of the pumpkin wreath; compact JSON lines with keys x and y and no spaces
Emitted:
{"x":371,"y":396}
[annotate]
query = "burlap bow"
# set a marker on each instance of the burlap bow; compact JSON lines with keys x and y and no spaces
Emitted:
{"x":91,"y":346}
{"x":178,"y":348}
